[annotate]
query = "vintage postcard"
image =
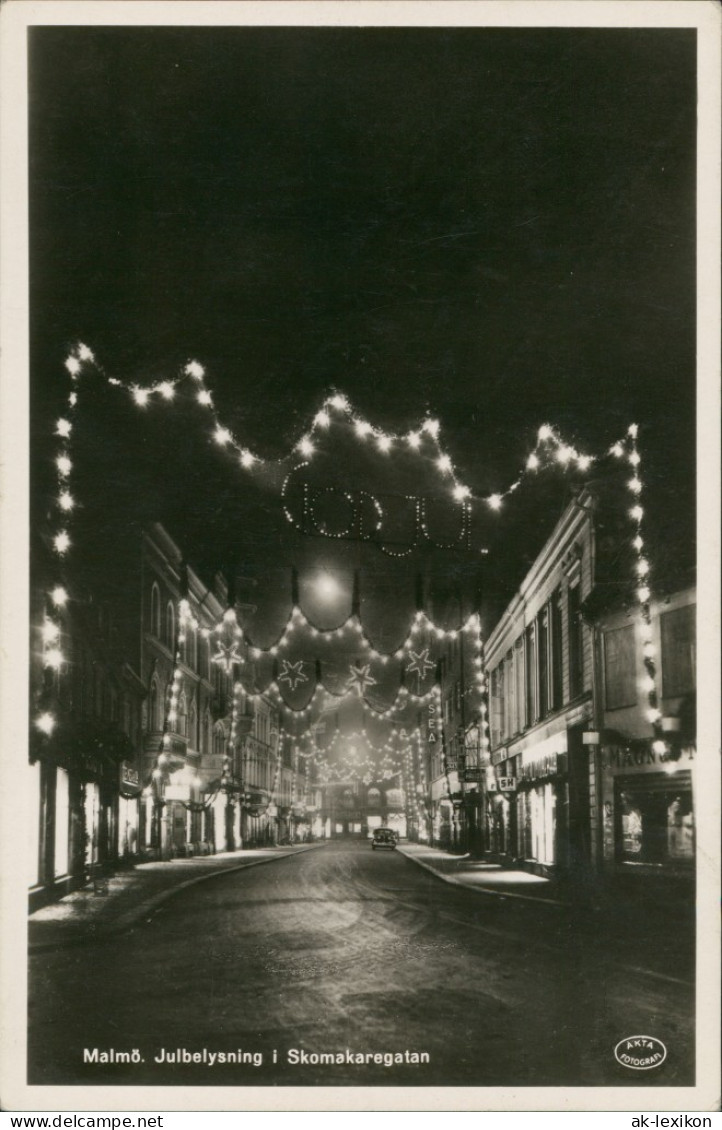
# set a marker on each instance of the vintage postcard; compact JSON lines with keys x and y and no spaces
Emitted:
{"x":360,"y":388}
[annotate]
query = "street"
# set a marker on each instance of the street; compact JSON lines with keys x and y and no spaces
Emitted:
{"x":347,"y":949}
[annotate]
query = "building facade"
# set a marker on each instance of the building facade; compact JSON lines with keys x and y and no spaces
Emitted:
{"x":542,"y":786}
{"x":85,"y":739}
{"x":648,"y":825}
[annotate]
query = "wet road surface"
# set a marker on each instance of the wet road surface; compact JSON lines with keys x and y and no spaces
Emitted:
{"x":344,"y":949}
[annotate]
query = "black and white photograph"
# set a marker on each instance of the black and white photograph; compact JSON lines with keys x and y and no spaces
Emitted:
{"x":363,"y":725}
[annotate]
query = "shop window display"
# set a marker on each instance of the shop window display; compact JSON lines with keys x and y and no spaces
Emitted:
{"x":656,"y":825}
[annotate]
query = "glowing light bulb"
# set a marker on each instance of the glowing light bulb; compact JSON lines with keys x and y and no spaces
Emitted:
{"x":66,"y":501}
{"x":204,"y":397}
{"x":636,"y":512}
{"x":64,"y":465}
{"x":634,"y":485}
{"x":544,"y":433}
{"x":643,"y":594}
{"x":584,"y":462}
{"x":306,"y":447}
{"x":461,"y":492}
{"x":649,"y":650}
{"x":195,"y":370}
{"x":634,"y":458}
{"x":643,"y":567}
{"x":61,"y":542}
{"x":73,"y":366}
{"x":362,"y":428}
{"x":229,"y":615}
{"x":339,"y":402}
{"x":50,"y":631}
{"x":647,"y":684}
{"x":432,"y":427}
{"x":140,"y":395}
{"x":638,"y":542}
{"x":59,"y":597}
{"x":632,"y":430}
{"x":444,"y":464}
{"x":384,"y":443}
{"x":532,"y":462}
{"x":322,"y":419}
{"x":54,"y":658}
{"x":222,"y":436}
{"x":166,"y":390}
{"x":653,"y":714}
{"x":494,"y":501}
{"x":564,"y":454}
{"x":616,"y":449}
{"x":63,"y":427}
{"x":46,"y":723}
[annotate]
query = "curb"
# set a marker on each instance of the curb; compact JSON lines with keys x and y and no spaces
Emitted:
{"x":132,"y":917}
{"x":484,"y":890}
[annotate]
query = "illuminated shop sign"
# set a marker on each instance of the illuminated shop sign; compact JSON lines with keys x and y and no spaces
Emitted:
{"x":506,"y":784}
{"x":549,"y":766}
{"x":630,"y":757}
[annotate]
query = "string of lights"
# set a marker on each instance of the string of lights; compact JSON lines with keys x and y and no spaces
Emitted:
{"x":550,"y":448}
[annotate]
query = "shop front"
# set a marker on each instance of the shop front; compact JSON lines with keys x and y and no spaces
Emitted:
{"x":527,"y":798}
{"x":128,"y":812}
{"x":648,"y":806}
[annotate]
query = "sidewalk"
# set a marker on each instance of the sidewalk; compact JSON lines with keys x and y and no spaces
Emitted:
{"x":484,"y":878}
{"x":133,"y":895}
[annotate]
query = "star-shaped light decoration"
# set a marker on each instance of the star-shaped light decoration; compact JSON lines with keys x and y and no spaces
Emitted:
{"x":361,"y":678}
{"x":292,"y":674}
{"x":420,"y":663}
{"x":227,"y":656}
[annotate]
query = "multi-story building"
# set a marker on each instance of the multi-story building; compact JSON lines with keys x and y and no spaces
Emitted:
{"x":647,"y":794}
{"x":84,"y":764}
{"x":132,"y":752}
{"x":184,"y":740}
{"x":353,"y":808}
{"x":542,"y":787}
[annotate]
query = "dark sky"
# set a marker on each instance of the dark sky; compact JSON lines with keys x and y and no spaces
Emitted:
{"x":494,"y":225}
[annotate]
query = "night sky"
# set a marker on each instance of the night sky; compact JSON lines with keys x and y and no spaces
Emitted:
{"x":495,"y":226}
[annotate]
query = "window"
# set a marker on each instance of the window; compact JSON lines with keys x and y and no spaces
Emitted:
{"x":655,"y":823}
{"x":678,"y":651}
{"x":374,"y":798}
{"x":543,"y":660}
{"x":62,"y":818}
{"x":191,"y":730}
{"x":207,"y":733}
{"x":182,"y":726}
{"x":170,"y":625}
{"x":555,"y":647}
{"x":510,"y":703}
{"x":99,"y":691}
{"x":155,"y":611}
{"x":153,"y":707}
{"x":620,"y":688}
{"x":497,"y":704}
{"x":530,"y":676}
{"x":519,"y":681}
{"x":576,"y":652}
{"x":219,"y":740}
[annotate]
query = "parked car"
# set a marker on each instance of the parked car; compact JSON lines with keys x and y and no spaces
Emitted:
{"x":384,"y":838}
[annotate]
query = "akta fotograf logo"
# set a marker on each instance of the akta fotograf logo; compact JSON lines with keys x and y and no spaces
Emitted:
{"x":640,"y":1053}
